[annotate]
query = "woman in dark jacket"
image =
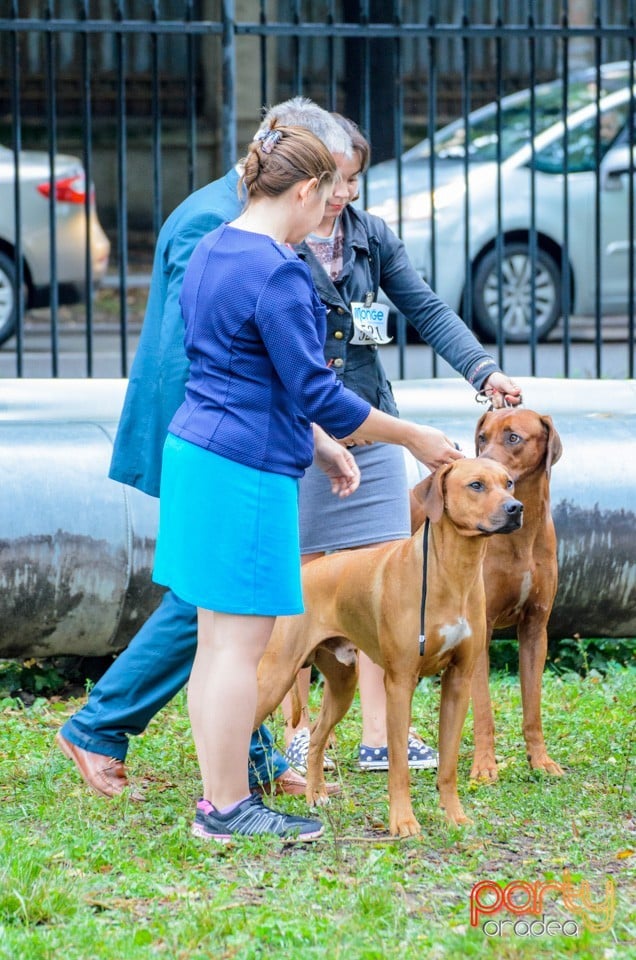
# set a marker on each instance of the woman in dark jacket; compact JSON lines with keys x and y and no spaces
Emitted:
{"x":351,"y":255}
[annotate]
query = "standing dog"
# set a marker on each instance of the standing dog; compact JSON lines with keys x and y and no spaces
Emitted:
{"x":520,"y":576}
{"x":370,"y":599}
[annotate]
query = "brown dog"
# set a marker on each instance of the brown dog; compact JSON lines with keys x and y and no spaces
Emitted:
{"x":370,"y":599}
{"x":520,"y":576}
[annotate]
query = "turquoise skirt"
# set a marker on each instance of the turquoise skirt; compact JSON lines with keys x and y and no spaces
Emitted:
{"x":228,"y":534}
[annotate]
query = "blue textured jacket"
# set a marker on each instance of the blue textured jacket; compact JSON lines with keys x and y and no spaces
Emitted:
{"x":374,"y":257}
{"x":254,"y":335}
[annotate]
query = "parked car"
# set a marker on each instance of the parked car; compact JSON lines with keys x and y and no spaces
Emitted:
{"x":488,"y":177}
{"x":70,"y":233}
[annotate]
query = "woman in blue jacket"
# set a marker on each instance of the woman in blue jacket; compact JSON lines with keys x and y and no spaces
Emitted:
{"x":236,"y":447}
{"x":351,"y":255}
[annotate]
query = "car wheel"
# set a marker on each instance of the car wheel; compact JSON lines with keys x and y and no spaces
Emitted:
{"x":516,"y":290}
{"x":8,"y":298}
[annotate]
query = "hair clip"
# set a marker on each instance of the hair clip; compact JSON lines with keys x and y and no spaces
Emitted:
{"x":268,"y":139}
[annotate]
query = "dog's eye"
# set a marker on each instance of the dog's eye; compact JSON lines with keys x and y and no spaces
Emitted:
{"x":510,"y":484}
{"x":476,"y":485}
{"x":481,"y":439}
{"x":514,"y":438}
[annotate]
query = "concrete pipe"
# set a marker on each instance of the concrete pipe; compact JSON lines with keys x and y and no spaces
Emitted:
{"x":76,"y":548}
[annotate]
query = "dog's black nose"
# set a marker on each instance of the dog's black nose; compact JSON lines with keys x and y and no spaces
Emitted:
{"x":514,"y":508}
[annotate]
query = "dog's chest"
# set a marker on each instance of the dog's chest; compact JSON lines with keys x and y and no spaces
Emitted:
{"x":446,"y":637}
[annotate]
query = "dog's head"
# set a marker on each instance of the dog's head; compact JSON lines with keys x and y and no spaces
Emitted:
{"x":522,"y":440}
{"x":477,"y":496}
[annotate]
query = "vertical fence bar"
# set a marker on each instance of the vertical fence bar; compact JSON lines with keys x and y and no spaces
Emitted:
{"x":332,"y":87}
{"x":466,"y":101}
{"x":565,"y":253}
{"x":262,"y":43}
{"x":191,"y":100}
{"x":17,"y":200}
{"x":122,"y":187}
{"x":51,"y":123}
{"x":631,"y":265}
{"x":398,"y":123}
{"x":297,"y":84}
{"x":157,"y":206}
{"x":228,"y":92}
{"x":598,"y":268}
{"x":499,"y":239}
{"x":534,"y":248}
{"x":87,"y":140}
{"x":432,"y":124}
{"x":365,"y":100}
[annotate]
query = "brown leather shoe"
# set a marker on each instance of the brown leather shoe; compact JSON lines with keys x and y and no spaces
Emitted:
{"x":105,"y":775}
{"x":292,"y":783}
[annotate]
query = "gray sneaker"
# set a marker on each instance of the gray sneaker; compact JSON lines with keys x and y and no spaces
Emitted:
{"x":297,"y":753}
{"x":252,"y":818}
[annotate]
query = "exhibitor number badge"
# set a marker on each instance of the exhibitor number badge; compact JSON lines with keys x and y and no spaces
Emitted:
{"x":370,"y":323}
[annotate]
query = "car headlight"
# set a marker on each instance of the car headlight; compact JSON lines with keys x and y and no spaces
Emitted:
{"x":415,"y":206}
{"x":420,"y":206}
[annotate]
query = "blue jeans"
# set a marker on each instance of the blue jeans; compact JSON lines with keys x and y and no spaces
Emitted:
{"x":145,"y":676}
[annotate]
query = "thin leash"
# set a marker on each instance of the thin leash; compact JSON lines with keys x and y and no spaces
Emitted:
{"x":427,"y":524}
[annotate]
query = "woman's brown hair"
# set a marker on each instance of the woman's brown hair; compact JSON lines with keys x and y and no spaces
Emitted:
{"x":280,"y":157}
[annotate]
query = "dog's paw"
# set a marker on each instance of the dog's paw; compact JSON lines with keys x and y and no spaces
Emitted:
{"x":454,"y":813}
{"x":404,"y":825}
{"x":484,"y":772}
{"x":546,"y":764}
{"x":409,"y":829}
{"x":320,"y":800}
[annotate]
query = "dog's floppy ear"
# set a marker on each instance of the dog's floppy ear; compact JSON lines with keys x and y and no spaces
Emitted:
{"x":430,"y":493}
{"x":554,"y":448}
{"x":480,"y":424}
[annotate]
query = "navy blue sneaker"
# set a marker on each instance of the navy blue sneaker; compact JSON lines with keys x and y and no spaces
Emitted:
{"x":421,"y":757}
{"x":252,"y":818}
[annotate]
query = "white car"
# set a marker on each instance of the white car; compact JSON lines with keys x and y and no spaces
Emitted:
{"x":70,"y":233}
{"x":511,"y":190}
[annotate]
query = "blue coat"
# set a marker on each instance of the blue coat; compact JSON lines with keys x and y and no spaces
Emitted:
{"x":157,"y":378}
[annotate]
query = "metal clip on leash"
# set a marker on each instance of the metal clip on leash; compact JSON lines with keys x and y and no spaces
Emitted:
{"x":484,"y":397}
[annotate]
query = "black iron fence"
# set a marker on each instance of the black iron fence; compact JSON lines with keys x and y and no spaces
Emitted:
{"x":521,"y":215}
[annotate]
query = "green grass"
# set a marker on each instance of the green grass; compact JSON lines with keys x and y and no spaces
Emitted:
{"x":84,"y":878}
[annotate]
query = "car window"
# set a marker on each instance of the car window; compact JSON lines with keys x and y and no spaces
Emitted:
{"x":581,"y":155}
{"x":515,"y":122}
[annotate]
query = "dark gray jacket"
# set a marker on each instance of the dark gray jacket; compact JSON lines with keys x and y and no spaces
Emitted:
{"x":375,"y":257}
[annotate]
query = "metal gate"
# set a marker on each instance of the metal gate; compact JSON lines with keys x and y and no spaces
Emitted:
{"x":156,"y":97}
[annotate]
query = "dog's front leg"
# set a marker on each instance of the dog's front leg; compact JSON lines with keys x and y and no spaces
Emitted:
{"x":533,"y":647}
{"x":453,"y":709}
{"x":400,"y":688}
{"x":484,"y":766}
